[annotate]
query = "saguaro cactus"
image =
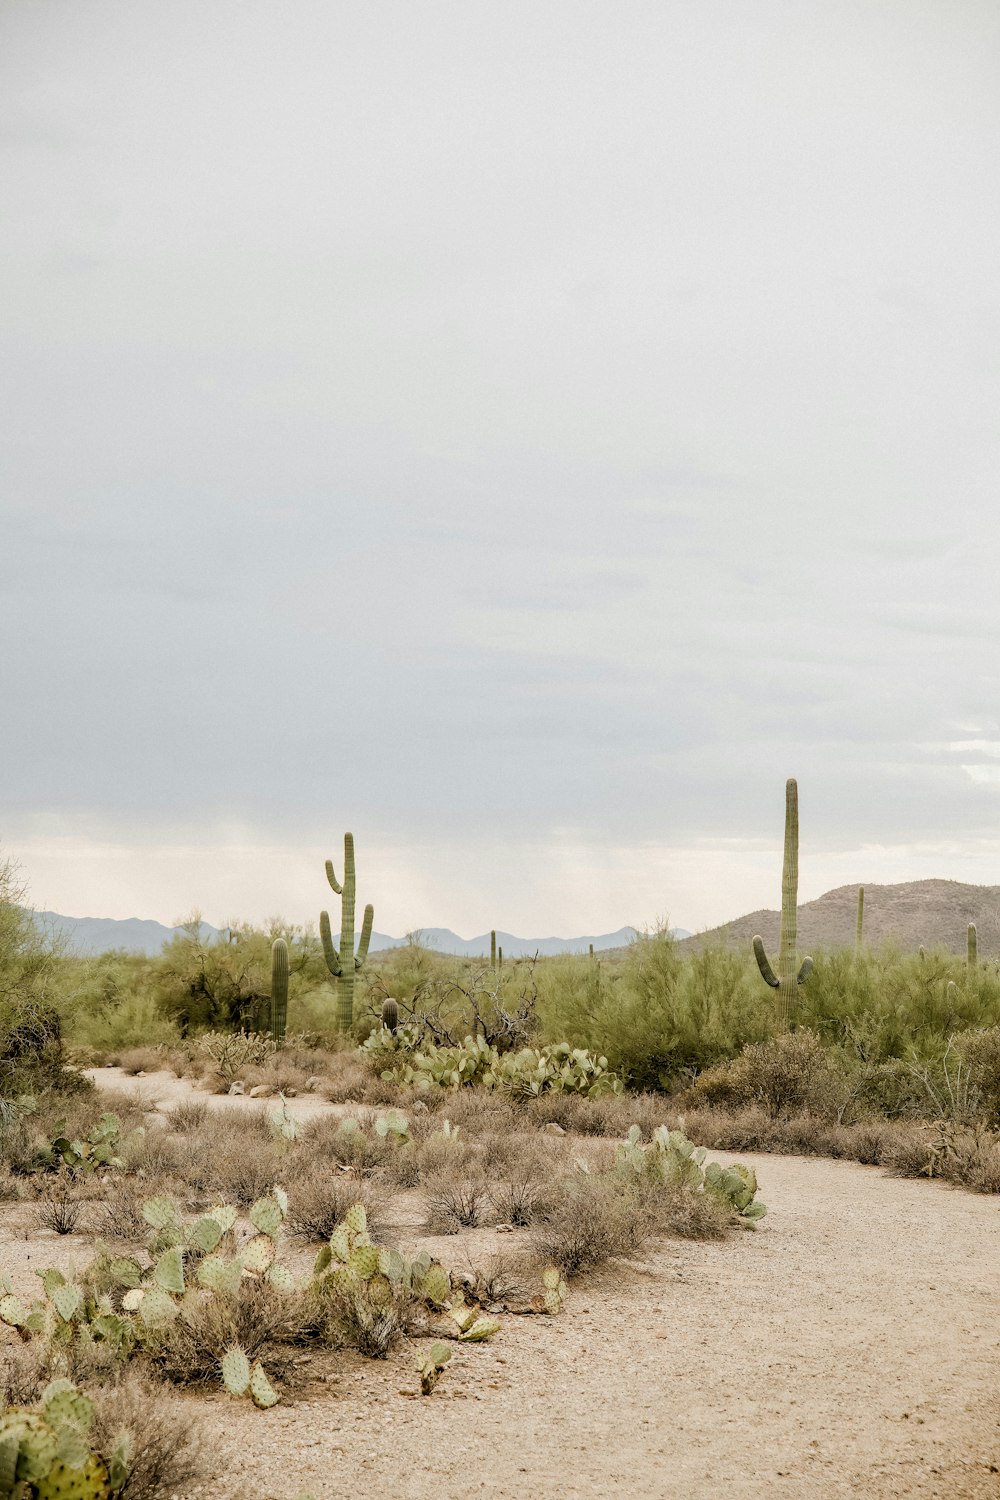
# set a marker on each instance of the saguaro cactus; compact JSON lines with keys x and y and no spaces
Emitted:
{"x":971,"y":951}
{"x":344,"y":963}
{"x":786,"y":981}
{"x":493,"y":950}
{"x":859,"y":931}
{"x":279,"y":989}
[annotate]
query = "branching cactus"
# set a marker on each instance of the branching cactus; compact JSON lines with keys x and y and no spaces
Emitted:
{"x":859,"y":934}
{"x":344,"y":963}
{"x":787,"y":979}
{"x":279,"y":990}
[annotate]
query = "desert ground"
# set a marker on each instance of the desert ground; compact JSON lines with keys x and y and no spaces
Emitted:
{"x":849,"y":1347}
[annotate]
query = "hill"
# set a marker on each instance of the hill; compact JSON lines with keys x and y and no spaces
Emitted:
{"x":932,"y":912}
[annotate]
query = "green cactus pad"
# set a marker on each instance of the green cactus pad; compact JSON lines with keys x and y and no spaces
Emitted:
{"x":36,"y":1443}
{"x":236,"y":1371}
{"x":364,"y":1260}
{"x":322,"y":1261}
{"x":157,"y":1308}
{"x":72,"y":1449}
{"x":221,"y":1275}
{"x":160,"y":1213}
{"x":266,"y":1216}
{"x":340,"y":1243}
{"x":258,"y":1255}
{"x":87,"y":1483}
{"x":281,"y":1198}
{"x":63,"y":1404}
{"x":205,"y":1235}
{"x":435,"y":1286}
{"x":261,"y":1389}
{"x":482,"y":1328}
{"x":126,"y":1271}
{"x":67,"y":1301}
{"x":168,"y":1272}
{"x":281,"y":1279}
{"x":392,"y":1265}
{"x":356,"y":1219}
{"x":225,"y":1216}
{"x":12,"y":1310}
{"x":10,"y":1447}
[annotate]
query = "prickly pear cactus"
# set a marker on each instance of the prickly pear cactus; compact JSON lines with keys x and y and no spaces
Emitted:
{"x":47,"y":1454}
{"x":430,"y":1366}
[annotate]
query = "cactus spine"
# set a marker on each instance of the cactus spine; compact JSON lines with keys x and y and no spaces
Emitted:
{"x":493,"y":950}
{"x":344,"y":963}
{"x":859,"y":931}
{"x":786,"y":981}
{"x":971,"y":952}
{"x":279,"y":989}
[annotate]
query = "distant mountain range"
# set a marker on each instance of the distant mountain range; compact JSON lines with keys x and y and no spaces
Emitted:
{"x":935,"y":913}
{"x":91,"y":935}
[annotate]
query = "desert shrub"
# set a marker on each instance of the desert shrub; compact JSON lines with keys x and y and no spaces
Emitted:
{"x":319,"y":1200}
{"x":593,"y":1219}
{"x":163,"y":1454}
{"x":522,"y":1196}
{"x":189,"y":1114}
{"x":345,"y":1143}
{"x":256,"y":1316}
{"x":455,"y":1200}
{"x":979,"y":1050}
{"x":118,"y":1217}
{"x":61,"y":1207}
{"x":231,"y":1053}
{"x":788,"y":1073}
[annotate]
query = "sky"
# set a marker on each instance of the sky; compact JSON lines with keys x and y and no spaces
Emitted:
{"x":523,"y":434}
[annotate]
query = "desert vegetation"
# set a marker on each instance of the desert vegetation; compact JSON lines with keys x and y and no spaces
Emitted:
{"x":582,"y":1108}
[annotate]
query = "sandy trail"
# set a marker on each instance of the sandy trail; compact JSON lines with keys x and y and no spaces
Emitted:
{"x":849,"y":1348}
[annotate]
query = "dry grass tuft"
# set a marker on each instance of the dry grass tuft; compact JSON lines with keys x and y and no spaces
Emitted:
{"x":165,"y":1453}
{"x":318,"y":1202}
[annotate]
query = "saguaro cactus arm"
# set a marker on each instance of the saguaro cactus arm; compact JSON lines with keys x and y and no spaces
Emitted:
{"x":763,"y":963}
{"x":366,"y":936}
{"x":329,"y":951}
{"x":338,"y":889}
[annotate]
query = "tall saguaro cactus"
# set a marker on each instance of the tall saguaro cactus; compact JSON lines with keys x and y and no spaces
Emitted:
{"x":971,"y":951}
{"x":493,"y":949}
{"x":344,"y":963}
{"x":279,"y":989}
{"x":860,"y":930}
{"x":787,"y":980}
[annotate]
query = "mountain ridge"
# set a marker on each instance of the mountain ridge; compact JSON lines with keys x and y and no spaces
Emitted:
{"x":935,"y":913}
{"x":89,"y":936}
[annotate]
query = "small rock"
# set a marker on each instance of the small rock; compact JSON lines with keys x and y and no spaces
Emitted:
{"x":505,"y":1229}
{"x":312,"y":1084}
{"x":551,"y":1128}
{"x":141,"y":1073}
{"x":237,"y":1088}
{"x":259,"y":1090}
{"x":419,"y":1107}
{"x":291,"y":1093}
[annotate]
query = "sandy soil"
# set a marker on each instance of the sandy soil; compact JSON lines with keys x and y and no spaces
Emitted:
{"x":849,"y":1348}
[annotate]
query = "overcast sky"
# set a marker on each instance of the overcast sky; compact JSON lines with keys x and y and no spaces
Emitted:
{"x":523,"y":433}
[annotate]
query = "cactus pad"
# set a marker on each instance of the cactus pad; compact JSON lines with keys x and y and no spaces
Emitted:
{"x":236,"y":1371}
{"x":266,"y":1216}
{"x":65,"y":1483}
{"x":261,"y":1389}
{"x":258,"y":1255}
